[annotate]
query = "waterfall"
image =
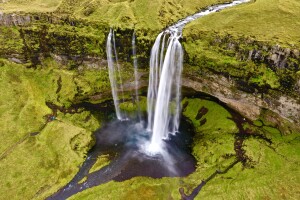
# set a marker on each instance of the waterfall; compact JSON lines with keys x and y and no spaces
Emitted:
{"x":136,"y":82}
{"x":114,"y":72}
{"x":164,"y":88}
{"x":166,"y":68}
{"x":153,"y":79}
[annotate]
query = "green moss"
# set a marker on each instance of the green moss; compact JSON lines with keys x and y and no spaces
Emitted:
{"x":214,"y":131}
{"x":272,"y":177}
{"x":101,"y":161}
{"x":273,"y":120}
{"x":22,"y":104}
{"x":10,"y":41}
{"x":130,"y":105}
{"x":238,"y":20}
{"x":266,"y":77}
{"x":136,"y":188}
{"x":38,"y":158}
{"x":30,"y":6}
{"x":83,"y":119}
{"x":257,"y":123}
{"x":217,"y":117}
{"x":82,"y":180}
{"x":42,"y":164}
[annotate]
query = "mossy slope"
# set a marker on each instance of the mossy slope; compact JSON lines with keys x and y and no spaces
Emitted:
{"x":41,"y":147}
{"x":274,"y":21}
{"x":141,"y":14}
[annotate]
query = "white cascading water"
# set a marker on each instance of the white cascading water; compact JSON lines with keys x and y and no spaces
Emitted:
{"x":136,"y":82}
{"x":153,"y":80}
{"x":167,"y":93}
{"x":114,"y":72}
{"x":165,"y":69}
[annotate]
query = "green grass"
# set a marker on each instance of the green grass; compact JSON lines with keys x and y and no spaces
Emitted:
{"x":31,"y":5}
{"x":221,"y":42}
{"x":42,"y":164}
{"x":22,"y":104}
{"x":139,"y":14}
{"x":213,"y":138}
{"x":101,"y":161}
{"x":33,"y":166}
{"x":272,"y":177}
{"x":273,"y":21}
{"x":26,"y":91}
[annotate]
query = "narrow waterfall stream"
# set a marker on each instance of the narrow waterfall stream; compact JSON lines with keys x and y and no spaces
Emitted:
{"x":144,"y":151}
{"x":114,"y":72}
{"x":136,"y":81}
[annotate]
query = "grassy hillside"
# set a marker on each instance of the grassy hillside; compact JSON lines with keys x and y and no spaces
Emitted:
{"x":40,"y":146}
{"x":224,"y":43}
{"x":141,"y":14}
{"x":274,"y":21}
{"x":30,"y":6}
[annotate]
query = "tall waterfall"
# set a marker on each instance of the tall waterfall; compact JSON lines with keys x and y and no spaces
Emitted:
{"x":164,"y":87}
{"x":114,"y":72}
{"x":136,"y":82}
{"x":165,"y":79}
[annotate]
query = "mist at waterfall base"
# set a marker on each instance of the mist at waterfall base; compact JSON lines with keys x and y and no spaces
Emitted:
{"x":126,"y":140}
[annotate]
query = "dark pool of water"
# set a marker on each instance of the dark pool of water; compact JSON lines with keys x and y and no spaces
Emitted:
{"x":125,"y":142}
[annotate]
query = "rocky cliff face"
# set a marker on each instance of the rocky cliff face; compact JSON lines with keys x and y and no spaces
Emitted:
{"x":29,"y":39}
{"x":259,"y":76}
{"x":251,"y":105}
{"x":14,"y":19}
{"x":248,"y":75}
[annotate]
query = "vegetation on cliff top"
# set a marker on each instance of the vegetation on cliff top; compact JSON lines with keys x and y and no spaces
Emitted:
{"x":140,"y":14}
{"x":244,"y":43}
{"x":273,"y":21}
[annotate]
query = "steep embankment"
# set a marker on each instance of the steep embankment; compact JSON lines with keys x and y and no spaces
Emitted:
{"x":248,"y":56}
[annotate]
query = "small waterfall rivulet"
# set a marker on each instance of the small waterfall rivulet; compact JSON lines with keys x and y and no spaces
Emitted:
{"x":136,"y":82}
{"x":114,"y":72}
